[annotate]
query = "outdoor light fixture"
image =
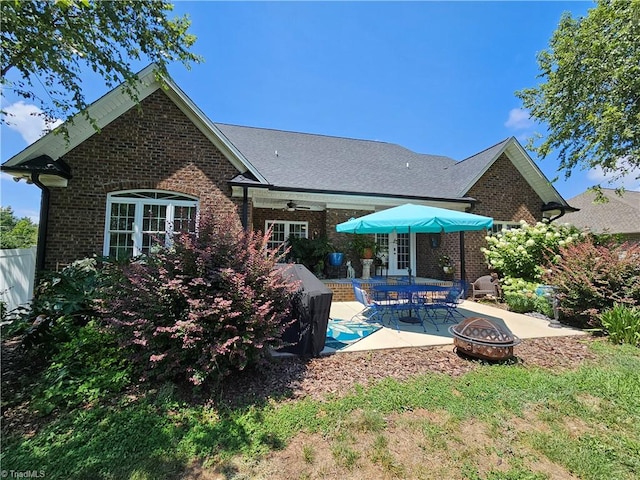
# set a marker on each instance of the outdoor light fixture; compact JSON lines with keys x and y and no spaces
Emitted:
{"x":434,"y":240}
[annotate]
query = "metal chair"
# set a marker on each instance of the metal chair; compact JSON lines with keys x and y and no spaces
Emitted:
{"x":371,"y":309}
{"x":448,"y":304}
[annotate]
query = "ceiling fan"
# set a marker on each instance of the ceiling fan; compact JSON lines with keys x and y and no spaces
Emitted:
{"x":293,"y":206}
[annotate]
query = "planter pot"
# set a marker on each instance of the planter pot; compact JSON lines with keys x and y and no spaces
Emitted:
{"x":367,"y":253}
{"x":335,"y":259}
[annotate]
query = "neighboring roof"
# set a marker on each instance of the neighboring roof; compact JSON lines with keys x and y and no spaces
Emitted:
{"x":621,"y":214}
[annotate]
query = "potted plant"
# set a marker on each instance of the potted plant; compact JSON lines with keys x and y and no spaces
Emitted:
{"x":311,"y":252}
{"x":445,"y":263}
{"x":336,"y":257}
{"x":364,"y":246}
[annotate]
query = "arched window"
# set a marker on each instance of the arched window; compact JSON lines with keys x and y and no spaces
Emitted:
{"x":136,"y":220}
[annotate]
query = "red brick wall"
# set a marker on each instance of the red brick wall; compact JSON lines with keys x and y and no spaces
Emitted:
{"x":155,"y":147}
{"x":316,"y":219}
{"x":505,"y":195}
{"x":341,"y":240}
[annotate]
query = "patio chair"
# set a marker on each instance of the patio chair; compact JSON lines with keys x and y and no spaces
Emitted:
{"x":485,"y":285}
{"x":371,"y":308}
{"x":447,"y":304}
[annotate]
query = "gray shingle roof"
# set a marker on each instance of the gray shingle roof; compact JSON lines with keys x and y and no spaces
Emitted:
{"x":319,"y":162}
{"x":465,"y":171}
{"x":618,"y":215}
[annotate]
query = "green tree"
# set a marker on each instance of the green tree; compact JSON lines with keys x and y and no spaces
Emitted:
{"x":590,"y":97}
{"x":48,"y":42}
{"x":14,"y":232}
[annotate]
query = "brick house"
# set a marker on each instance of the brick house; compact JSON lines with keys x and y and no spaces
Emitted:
{"x":151,"y":168}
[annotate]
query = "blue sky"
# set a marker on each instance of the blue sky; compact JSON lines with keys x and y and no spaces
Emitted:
{"x":435,"y":77}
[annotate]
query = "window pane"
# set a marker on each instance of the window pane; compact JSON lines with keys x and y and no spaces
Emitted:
{"x":122,"y":217}
{"x":298,"y":230}
{"x":184,"y":219}
{"x":154,"y":218}
{"x":402,"y":246}
{"x":150,"y":240}
{"x":120,"y":245}
{"x":277,"y":234}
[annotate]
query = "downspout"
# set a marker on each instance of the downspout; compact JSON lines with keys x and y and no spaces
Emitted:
{"x":245,"y":208}
{"x":44,"y":221}
{"x":561,"y":214}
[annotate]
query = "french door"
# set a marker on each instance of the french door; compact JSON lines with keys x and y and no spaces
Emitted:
{"x":398,"y":246}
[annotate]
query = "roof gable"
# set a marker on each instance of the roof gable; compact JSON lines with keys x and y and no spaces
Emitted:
{"x":115,"y":103}
{"x":466,"y":173}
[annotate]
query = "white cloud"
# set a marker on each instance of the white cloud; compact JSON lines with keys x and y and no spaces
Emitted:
{"x":628,"y":182}
{"x":28,"y":120}
{"x":519,"y":119}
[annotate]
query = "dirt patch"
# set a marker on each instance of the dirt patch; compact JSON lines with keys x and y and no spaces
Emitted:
{"x":400,"y":451}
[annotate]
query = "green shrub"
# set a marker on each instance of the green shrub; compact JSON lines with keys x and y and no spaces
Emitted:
{"x":212,"y":303}
{"x":519,"y":302}
{"x":310,"y":252}
{"x":593,"y":278}
{"x":63,"y":301}
{"x":622,"y":324}
{"x":84,"y":369}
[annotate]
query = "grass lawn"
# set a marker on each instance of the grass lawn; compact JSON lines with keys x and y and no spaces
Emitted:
{"x":497,"y":422}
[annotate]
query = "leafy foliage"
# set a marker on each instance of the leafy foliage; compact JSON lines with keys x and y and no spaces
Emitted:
{"x":14,"y":232}
{"x":83,"y":370}
{"x":523,"y":252}
{"x":311,"y":252}
{"x":210,"y":304}
{"x":62,"y":302}
{"x":593,"y":278}
{"x":622,"y":324}
{"x":53,"y":41}
{"x":589,"y":99}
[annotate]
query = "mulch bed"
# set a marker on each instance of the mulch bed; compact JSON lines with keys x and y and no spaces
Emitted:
{"x":294,"y":377}
{"x":298,"y":377}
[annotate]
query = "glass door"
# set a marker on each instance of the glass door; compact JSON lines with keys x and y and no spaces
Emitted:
{"x":398,"y":248}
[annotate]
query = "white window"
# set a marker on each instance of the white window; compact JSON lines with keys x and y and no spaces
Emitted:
{"x":499,"y":226}
{"x":282,"y":230}
{"x":137,"y":220}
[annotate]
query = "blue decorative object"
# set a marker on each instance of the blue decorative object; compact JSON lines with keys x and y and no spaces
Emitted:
{"x":335,"y":259}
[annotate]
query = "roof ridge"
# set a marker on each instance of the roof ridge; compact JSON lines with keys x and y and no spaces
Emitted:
{"x":482,"y":151}
{"x":311,"y":134}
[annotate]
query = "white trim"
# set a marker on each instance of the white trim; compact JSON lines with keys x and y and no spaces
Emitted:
{"x":277,"y":200}
{"x":527,"y":168}
{"x":115,"y":198}
{"x":114,"y":104}
{"x":287,"y":224}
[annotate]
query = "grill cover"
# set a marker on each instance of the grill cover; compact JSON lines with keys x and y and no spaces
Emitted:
{"x":309,"y":312}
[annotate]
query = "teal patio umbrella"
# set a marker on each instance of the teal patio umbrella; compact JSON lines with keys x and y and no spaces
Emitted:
{"x":410,"y":218}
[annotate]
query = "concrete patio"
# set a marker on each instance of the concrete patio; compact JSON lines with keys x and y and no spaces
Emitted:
{"x":413,"y":335}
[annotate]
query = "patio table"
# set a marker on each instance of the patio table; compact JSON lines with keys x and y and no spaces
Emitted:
{"x":407,"y":297}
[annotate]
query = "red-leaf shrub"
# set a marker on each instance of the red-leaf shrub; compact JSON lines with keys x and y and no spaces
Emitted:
{"x":211,"y":303}
{"x":592,"y":278}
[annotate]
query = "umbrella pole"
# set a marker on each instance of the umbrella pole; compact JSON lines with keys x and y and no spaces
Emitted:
{"x":463,"y":272}
{"x":409,"y":269}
